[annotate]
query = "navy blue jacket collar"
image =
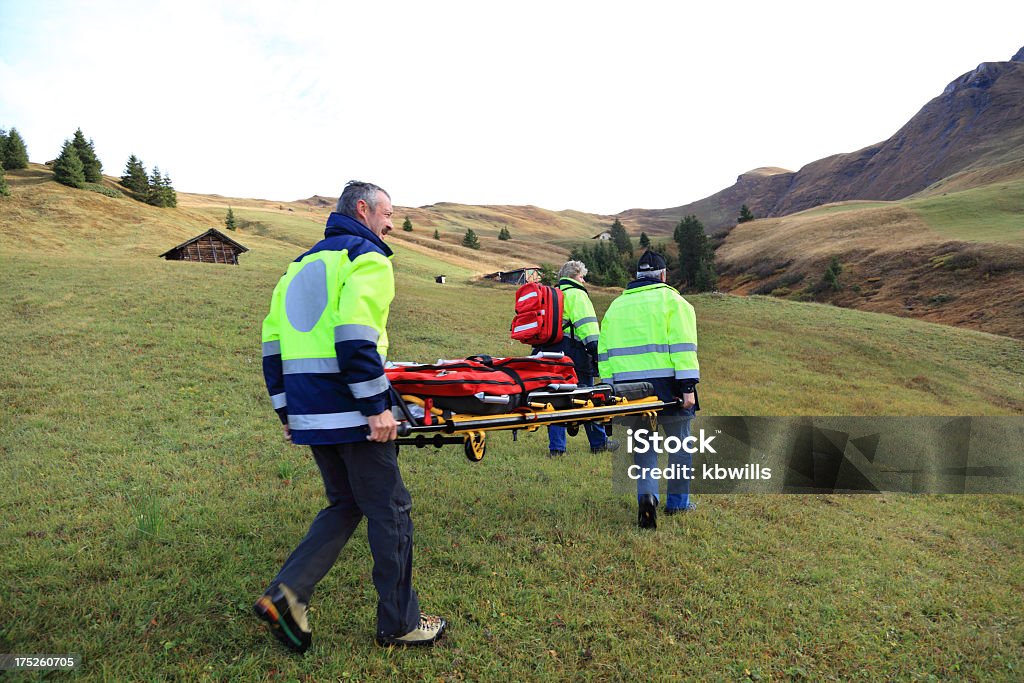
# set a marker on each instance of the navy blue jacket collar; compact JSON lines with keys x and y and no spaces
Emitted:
{"x":340,"y":224}
{"x":646,"y":282}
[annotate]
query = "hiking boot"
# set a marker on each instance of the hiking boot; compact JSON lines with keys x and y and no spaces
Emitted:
{"x":675,"y":511}
{"x":556,"y":454}
{"x":610,"y":446}
{"x":425,"y":634}
{"x":648,"y":513}
{"x":286,"y":616}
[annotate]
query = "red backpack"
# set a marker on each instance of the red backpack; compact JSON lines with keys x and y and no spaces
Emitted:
{"x":538,"y":319}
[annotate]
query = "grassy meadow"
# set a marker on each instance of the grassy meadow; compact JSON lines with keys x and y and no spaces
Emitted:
{"x":149,"y":496}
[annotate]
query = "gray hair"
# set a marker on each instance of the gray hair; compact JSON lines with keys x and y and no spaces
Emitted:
{"x":650,"y":274}
{"x":353,"y":192}
{"x":573,"y":269}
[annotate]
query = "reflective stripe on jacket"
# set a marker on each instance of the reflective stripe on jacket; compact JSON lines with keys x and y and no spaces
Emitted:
{"x":649,"y":333}
{"x":325,"y":337}
{"x":579,"y":311}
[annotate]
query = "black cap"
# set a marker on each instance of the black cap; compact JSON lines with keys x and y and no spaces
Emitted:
{"x":651,"y":260}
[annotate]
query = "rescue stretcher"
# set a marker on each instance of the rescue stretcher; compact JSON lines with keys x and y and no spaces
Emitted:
{"x":426,"y":421}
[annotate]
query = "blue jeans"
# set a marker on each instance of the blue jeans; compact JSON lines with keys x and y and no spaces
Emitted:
{"x":678,"y":489}
{"x":595,"y":431}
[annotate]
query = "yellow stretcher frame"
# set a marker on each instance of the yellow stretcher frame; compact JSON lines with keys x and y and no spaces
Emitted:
{"x":471,"y":430}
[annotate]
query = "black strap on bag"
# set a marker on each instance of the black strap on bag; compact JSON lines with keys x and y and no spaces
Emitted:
{"x":489,"y":362}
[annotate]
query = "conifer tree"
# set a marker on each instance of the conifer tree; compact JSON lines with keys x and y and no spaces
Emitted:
{"x":3,"y":144}
{"x":696,"y":257}
{"x":504,"y":235}
{"x":831,"y":277}
{"x":645,"y":241}
{"x":135,"y":177}
{"x":229,"y":220}
{"x":4,"y":190}
{"x":621,"y":239}
{"x":15,"y":152}
{"x":437,"y":235}
{"x":68,"y":169}
{"x":745,"y":214}
{"x":153,"y":189}
{"x":170,"y":197}
{"x":470,"y":239}
{"x":87,"y":154}
{"x":407,"y":225}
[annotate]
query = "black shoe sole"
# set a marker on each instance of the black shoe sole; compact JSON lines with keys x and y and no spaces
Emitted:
{"x":285,"y":630}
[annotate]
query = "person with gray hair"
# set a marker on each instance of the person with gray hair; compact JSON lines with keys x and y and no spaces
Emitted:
{"x":582,"y":331}
{"x":649,"y":334}
{"x":324,"y":345}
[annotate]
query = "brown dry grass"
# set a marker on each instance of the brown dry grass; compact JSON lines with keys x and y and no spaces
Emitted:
{"x":893,"y":262}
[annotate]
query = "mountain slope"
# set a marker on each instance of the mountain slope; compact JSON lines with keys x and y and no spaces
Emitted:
{"x":977,"y":122}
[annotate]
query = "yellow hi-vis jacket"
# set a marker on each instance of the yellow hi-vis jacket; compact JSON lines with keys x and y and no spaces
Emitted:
{"x":578,"y":312}
{"x":649,"y":333}
{"x":325,"y":337}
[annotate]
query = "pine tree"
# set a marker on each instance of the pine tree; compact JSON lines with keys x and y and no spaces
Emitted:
{"x":407,"y":225}
{"x":4,"y":190}
{"x":167,"y":190}
{"x":229,"y":220}
{"x":15,"y":152}
{"x":832,"y":274}
{"x":154,"y":193}
{"x":437,"y":235}
{"x":645,"y":241}
{"x":135,"y":177}
{"x":3,"y":144}
{"x":470,"y":240}
{"x":504,"y":235}
{"x":604,"y":264}
{"x":87,"y":154}
{"x":745,"y":214}
{"x":696,"y":257}
{"x":68,"y":169}
{"x":621,"y":239}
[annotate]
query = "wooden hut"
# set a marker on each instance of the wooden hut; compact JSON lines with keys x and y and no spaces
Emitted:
{"x":212,"y":246}
{"x":520,"y":276}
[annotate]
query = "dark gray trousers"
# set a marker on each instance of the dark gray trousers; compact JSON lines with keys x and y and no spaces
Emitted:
{"x":361,"y":479}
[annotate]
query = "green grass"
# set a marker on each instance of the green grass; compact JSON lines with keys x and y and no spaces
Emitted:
{"x":992,"y":213}
{"x":149,"y":496}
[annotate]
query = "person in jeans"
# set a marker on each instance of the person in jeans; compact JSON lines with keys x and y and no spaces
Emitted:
{"x":581,"y":331}
{"x":649,"y":334}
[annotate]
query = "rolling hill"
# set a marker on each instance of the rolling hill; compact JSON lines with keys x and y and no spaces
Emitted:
{"x":149,"y":495}
{"x":955,"y":258}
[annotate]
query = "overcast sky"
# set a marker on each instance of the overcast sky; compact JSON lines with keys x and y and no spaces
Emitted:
{"x":593,"y":106}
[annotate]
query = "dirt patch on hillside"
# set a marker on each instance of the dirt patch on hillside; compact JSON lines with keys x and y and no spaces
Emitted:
{"x":977,"y":286}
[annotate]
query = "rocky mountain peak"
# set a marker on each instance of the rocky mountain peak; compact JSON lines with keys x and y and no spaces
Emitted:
{"x":1019,"y":57}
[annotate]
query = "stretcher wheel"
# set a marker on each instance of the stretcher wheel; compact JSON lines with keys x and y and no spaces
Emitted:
{"x":475,"y":446}
{"x":573,"y":429}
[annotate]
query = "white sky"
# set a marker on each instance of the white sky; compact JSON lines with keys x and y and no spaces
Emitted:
{"x":593,"y":106}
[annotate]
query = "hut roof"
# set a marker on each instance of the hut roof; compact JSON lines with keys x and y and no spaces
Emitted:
{"x":212,"y":232}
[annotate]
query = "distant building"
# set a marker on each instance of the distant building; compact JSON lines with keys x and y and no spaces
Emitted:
{"x":439,"y":279}
{"x":602,"y":236}
{"x":520,"y":276}
{"x":212,"y":246}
